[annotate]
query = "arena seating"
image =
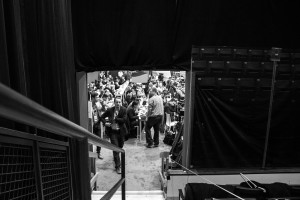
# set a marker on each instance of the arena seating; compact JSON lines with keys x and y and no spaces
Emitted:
{"x":244,"y":71}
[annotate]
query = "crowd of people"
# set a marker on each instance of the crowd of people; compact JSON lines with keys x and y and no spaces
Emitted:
{"x":118,"y":105}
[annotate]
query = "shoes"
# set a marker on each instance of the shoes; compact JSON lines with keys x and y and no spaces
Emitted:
{"x":149,"y":145}
{"x":118,"y":170}
{"x":156,"y":145}
{"x":100,"y":157}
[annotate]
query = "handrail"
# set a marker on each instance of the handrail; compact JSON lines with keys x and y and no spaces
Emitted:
{"x":94,"y":179}
{"x":17,"y":107}
{"x":113,"y":190}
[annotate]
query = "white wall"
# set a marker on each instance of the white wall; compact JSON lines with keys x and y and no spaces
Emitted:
{"x":82,"y":98}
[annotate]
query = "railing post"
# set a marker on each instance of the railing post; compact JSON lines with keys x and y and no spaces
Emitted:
{"x":123,"y":175}
{"x":85,"y":175}
{"x":275,"y":57}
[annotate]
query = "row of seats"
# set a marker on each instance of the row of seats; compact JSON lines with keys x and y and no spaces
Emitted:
{"x":224,"y":53}
{"x":246,"y":68}
{"x":225,"y":83}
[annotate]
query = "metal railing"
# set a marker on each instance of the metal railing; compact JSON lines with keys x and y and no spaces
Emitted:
{"x":19,"y":108}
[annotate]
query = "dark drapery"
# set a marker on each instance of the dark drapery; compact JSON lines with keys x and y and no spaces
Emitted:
{"x":123,"y":34}
{"x":36,"y":60}
{"x":37,"y":53}
{"x":229,"y":129}
{"x":160,"y":34}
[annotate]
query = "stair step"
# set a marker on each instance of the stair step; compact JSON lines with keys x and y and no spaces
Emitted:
{"x":131,"y":195}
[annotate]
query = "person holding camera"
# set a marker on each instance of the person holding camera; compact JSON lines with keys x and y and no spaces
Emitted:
{"x":116,"y":128}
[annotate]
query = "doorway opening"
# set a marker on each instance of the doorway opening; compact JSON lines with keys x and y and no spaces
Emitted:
{"x":142,"y":164}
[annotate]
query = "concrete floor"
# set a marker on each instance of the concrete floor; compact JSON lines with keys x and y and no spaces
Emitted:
{"x":142,"y":166}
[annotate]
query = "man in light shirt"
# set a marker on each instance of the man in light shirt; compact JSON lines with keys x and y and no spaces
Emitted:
{"x":154,"y":118}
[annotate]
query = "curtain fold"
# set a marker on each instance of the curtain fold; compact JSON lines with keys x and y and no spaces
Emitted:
{"x":4,"y":66}
{"x":229,"y":129}
{"x":37,"y":53}
{"x":227,"y":134}
{"x":37,"y":60}
{"x":160,"y":34}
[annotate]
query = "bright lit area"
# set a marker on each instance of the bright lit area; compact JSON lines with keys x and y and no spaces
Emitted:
{"x":144,"y":161}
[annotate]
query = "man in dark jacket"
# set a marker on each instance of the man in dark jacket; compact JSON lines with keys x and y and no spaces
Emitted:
{"x":116,"y":128}
{"x":132,"y":114}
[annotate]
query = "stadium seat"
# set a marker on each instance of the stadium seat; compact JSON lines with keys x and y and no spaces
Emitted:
{"x":240,"y":54}
{"x":208,"y":53}
{"x":282,"y":85}
{"x":296,"y":58}
{"x":200,"y":66}
{"x":284,"y":71}
{"x":228,"y":88}
{"x":282,"y":88}
{"x":196,"y":53}
{"x":257,"y":55}
{"x":248,"y":83}
{"x":253,"y":68}
{"x":235,"y":67}
{"x":296,"y":85}
{"x":207,"y":82}
{"x":296,"y":71}
{"x":285,"y":57}
{"x":225,"y":53}
{"x":265,"y":84}
{"x":216,"y":67}
{"x":267,"y":68}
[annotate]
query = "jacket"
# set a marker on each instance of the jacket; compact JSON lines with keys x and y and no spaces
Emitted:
{"x":120,"y":119}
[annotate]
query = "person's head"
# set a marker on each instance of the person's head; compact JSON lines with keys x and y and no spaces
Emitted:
{"x":104,"y":97}
{"x":154,"y":90}
{"x":129,"y":94}
{"x":151,"y":94}
{"x":135,"y":104}
{"x":93,"y":94}
{"x":133,"y":98}
{"x":97,"y":99}
{"x":118,"y":102}
{"x":172,"y":102}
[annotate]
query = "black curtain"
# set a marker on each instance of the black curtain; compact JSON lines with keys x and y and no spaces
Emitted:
{"x":159,"y":34}
{"x":228,"y":134}
{"x":284,"y":149}
{"x":37,"y":60}
{"x":123,"y":34}
{"x":229,"y":129}
{"x":37,"y":57}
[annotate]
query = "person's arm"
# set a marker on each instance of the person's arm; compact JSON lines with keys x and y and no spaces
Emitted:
{"x":167,"y":108}
{"x":121,"y":119}
{"x":150,"y":107}
{"x":172,"y":108}
{"x":104,"y":115}
{"x":131,"y":114}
